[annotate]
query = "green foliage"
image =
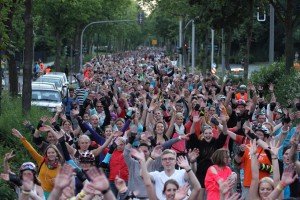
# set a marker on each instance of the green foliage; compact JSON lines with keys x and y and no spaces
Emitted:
{"x":11,"y":117}
{"x":286,"y":85}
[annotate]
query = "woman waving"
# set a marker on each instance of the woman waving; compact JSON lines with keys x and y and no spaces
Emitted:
{"x":48,"y":164}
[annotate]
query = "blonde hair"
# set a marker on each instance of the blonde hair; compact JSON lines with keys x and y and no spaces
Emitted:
{"x":169,"y":151}
{"x":266,"y":180}
{"x":84,"y":137}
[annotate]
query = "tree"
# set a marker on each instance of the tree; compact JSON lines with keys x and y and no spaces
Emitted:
{"x":288,"y":13}
{"x":27,"y":70}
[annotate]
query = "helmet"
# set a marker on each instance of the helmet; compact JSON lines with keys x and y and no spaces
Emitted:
{"x":87,"y":157}
{"x":263,"y":129}
{"x":241,"y":102}
{"x":243,"y":87}
{"x":28,"y":166}
{"x":222,"y":97}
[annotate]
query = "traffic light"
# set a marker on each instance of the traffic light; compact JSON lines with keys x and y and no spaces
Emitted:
{"x":140,"y":17}
{"x":188,"y":49}
{"x":67,"y":51}
{"x":75,"y":52}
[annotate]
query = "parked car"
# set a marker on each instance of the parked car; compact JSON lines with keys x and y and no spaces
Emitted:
{"x":43,"y":85}
{"x":61,"y":75}
{"x":56,"y":81}
{"x":46,"y":98}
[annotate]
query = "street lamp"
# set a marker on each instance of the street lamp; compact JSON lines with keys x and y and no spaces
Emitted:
{"x":296,"y":62}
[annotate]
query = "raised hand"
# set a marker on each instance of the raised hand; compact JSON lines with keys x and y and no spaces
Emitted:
{"x":196,"y":118}
{"x":52,"y":120}
{"x":75,"y":112}
{"x":9,"y":156}
{"x":182,"y":191}
{"x":4,"y":176}
{"x":253,"y":147}
{"x":156,"y":152}
{"x":89,"y":188}
{"x":100,"y":182}
{"x":137,"y":154}
{"x":234,"y":196}
{"x":26,"y":123}
{"x":58,"y":109}
{"x":119,"y":183}
{"x":44,"y":119}
{"x":243,"y":147}
{"x":193,"y":154}
{"x":274,"y":147}
{"x":45,"y":128}
{"x":63,"y":116}
{"x":271,"y":87}
{"x":27,"y":185}
{"x":183,"y":162}
{"x":288,"y":176}
{"x":64,"y":176}
{"x":16,"y":133}
{"x":223,"y":117}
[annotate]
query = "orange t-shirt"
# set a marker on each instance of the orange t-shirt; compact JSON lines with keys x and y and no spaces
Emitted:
{"x":246,"y":161}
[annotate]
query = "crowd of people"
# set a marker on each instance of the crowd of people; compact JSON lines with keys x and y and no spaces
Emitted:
{"x":137,"y":127}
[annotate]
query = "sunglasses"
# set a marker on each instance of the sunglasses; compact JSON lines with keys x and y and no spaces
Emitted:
{"x":207,"y":127}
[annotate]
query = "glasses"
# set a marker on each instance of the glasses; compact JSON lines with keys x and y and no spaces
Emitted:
{"x":168,"y":159}
{"x":207,"y":127}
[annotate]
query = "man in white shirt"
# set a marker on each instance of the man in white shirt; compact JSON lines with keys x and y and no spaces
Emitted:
{"x":168,"y":159}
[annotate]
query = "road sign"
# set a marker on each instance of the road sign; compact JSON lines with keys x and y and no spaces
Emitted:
{"x":154,"y":42}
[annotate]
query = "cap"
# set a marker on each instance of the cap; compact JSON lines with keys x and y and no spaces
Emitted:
{"x":113,"y":115}
{"x":28,"y":166}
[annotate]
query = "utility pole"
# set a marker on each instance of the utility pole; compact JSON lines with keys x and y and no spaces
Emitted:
{"x":271,"y":38}
{"x":193,"y":47}
{"x":180,"y":41}
{"x":212,"y":47}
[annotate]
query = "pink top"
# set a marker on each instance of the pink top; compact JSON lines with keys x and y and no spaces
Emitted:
{"x":211,"y":184}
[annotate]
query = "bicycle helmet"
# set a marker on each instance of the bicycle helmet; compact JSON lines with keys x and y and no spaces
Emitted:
{"x":87,"y":157}
{"x":27,"y":166}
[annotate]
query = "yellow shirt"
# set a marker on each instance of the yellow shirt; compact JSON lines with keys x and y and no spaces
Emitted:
{"x":46,"y":175}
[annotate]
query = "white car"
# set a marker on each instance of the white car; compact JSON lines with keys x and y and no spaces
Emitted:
{"x":43,"y":85}
{"x":61,"y":75}
{"x":46,"y":98}
{"x":57,"y":81}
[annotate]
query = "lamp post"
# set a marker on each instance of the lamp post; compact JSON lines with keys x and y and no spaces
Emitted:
{"x":193,"y":40}
{"x":98,"y":22}
{"x":296,"y":62}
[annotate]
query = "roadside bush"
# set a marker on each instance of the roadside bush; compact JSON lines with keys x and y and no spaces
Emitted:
{"x":12,"y":117}
{"x":286,"y":85}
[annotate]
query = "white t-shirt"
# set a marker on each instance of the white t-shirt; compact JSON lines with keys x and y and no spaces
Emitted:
{"x":160,"y":178}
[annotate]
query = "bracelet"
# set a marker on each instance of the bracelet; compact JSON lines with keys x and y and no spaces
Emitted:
{"x":123,"y":189}
{"x":279,"y":188}
{"x":151,"y":157}
{"x":81,"y":194}
{"x":283,"y":184}
{"x":274,"y":158}
{"x":105,"y":191}
{"x":187,"y":171}
{"x":25,"y":192}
